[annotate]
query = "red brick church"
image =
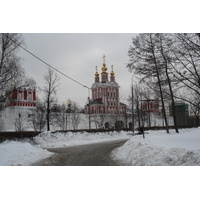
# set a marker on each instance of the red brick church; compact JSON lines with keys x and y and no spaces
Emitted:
{"x":105,"y":98}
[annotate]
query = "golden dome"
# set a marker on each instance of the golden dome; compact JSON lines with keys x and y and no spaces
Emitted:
{"x":112,"y":73}
{"x":96,"y":74}
{"x":104,"y":69}
{"x":69,"y":103}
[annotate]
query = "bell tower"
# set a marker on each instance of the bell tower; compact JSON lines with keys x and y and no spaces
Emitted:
{"x":104,"y":74}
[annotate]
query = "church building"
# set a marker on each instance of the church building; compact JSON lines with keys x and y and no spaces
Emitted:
{"x":104,"y":107}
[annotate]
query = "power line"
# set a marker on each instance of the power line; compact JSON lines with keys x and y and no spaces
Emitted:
{"x":50,"y":65}
{"x":47,"y":63}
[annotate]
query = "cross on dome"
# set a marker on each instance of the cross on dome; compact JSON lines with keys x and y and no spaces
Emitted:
{"x":96,"y":74}
{"x":104,"y":68}
{"x":112,"y":73}
{"x":104,"y":58}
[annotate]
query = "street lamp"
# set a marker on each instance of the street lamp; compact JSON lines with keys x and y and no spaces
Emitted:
{"x":132,"y":103}
{"x":88,"y":105}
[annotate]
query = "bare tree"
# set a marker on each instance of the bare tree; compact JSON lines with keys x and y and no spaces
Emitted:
{"x":50,"y":89}
{"x":163,"y":43}
{"x":10,"y":69}
{"x":144,"y":61}
{"x":75,"y":117}
{"x":38,"y":118}
{"x":138,"y":94}
{"x":62,"y":117}
{"x":186,"y":71}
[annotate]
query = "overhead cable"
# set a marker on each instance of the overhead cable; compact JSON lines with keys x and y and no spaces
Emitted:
{"x":47,"y":63}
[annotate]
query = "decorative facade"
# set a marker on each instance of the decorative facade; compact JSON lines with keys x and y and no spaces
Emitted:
{"x":105,"y":100}
{"x":21,"y":97}
{"x":18,"y":107}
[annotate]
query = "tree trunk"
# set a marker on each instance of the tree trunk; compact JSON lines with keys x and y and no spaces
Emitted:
{"x":48,"y":114}
{"x":170,"y":88}
{"x":160,"y":88}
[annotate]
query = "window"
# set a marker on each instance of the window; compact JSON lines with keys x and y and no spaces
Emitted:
{"x":29,"y":96}
{"x":19,"y":96}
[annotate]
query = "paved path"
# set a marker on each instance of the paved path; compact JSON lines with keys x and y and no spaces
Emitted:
{"x":84,"y":155}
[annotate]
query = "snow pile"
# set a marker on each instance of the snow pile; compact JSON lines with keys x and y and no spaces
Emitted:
{"x":157,"y":149}
{"x":162,"y":149}
{"x":20,"y":153}
{"x":25,"y":153}
{"x":53,"y":140}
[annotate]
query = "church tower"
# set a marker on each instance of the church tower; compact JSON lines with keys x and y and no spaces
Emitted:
{"x":105,"y":94}
{"x":104,"y":74}
{"x":112,"y":75}
{"x":96,"y":76}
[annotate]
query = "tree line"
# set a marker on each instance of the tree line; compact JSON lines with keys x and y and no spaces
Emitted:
{"x":168,"y":67}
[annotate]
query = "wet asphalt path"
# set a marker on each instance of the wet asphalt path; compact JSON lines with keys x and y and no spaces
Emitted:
{"x":84,"y":155}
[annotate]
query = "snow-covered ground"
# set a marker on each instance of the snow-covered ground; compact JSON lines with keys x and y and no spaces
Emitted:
{"x":48,"y":140}
{"x":21,"y":153}
{"x":157,"y":149}
{"x":162,"y":149}
{"x":28,"y":152}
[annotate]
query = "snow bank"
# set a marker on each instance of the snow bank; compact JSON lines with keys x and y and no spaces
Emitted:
{"x":20,"y":153}
{"x":53,"y":140}
{"x":162,"y":149}
{"x":25,"y":153}
{"x":157,"y":149}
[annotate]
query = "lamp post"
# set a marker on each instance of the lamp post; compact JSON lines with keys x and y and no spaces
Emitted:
{"x":88,"y":106}
{"x":133,"y":127}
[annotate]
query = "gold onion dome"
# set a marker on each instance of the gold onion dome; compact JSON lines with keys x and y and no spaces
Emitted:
{"x":69,"y":103}
{"x":112,"y":73}
{"x":96,"y":74}
{"x":104,"y":69}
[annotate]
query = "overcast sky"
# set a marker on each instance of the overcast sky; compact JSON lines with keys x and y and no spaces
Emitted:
{"x":77,"y":55}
